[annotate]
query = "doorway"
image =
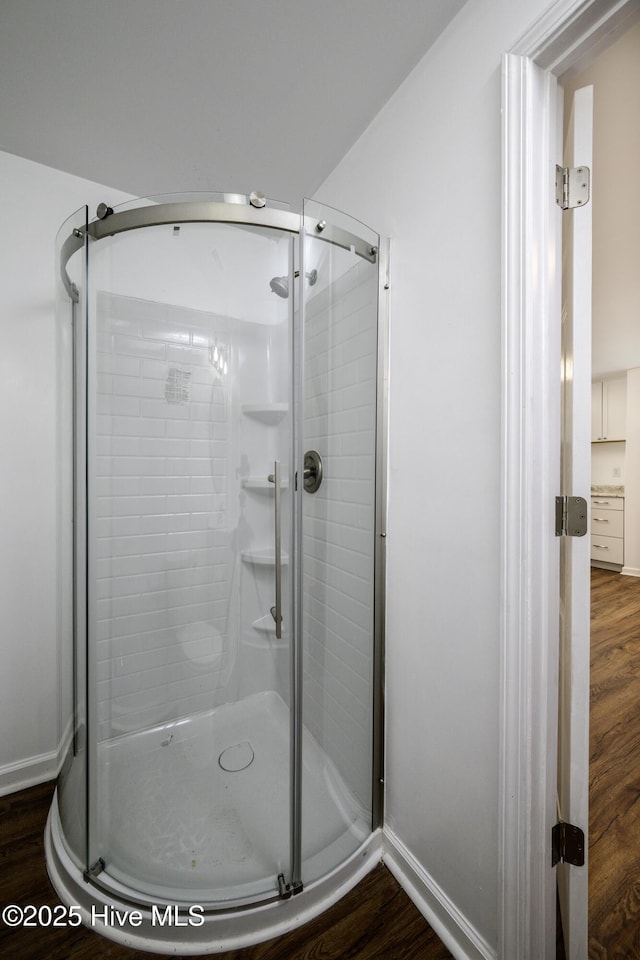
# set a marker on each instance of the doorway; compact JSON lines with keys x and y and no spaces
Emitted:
{"x":568,"y":38}
{"x":615,"y":489}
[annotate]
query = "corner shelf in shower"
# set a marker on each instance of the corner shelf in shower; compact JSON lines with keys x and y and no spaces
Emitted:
{"x":268,"y":413}
{"x":262,"y":485}
{"x":264,"y":624}
{"x":261,"y":558}
{"x":263,"y":632}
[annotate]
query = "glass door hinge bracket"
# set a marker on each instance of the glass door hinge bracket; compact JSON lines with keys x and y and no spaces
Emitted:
{"x":286,"y":889}
{"x":94,"y":870}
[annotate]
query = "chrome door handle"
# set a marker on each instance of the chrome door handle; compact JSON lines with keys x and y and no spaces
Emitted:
{"x":276,"y":611}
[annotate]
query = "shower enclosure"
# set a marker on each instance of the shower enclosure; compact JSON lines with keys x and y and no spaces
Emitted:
{"x":221,"y":527}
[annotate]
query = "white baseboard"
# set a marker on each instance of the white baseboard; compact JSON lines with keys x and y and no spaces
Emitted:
{"x":630,"y":572}
{"x":28,"y":773}
{"x":35,"y":770}
{"x":603,"y":565}
{"x":455,"y":931}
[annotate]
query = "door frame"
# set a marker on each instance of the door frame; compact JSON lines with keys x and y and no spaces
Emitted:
{"x":567,"y":37}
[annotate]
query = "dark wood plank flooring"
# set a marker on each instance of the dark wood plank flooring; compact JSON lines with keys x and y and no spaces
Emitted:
{"x":375,"y":921}
{"x":614,"y":821}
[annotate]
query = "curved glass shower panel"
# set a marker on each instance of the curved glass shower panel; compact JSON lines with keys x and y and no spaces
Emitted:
{"x":220,"y":615}
{"x":189,"y":391}
{"x":71,"y":295}
{"x":338,"y":543}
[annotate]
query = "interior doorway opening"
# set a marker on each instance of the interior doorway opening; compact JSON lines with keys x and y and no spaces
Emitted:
{"x":567,"y":38}
{"x":612,"y":448}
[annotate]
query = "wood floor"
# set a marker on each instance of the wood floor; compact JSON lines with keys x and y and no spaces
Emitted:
{"x":614,"y":822}
{"x":376,"y":921}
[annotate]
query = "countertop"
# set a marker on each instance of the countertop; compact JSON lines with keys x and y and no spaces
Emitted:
{"x":606,"y":490}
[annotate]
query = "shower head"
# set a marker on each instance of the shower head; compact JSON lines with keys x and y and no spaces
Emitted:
{"x":280,"y":285}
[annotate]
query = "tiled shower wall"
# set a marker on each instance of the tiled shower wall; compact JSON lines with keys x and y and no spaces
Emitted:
{"x":166,"y":520}
{"x":339,"y":522}
{"x":165,"y":523}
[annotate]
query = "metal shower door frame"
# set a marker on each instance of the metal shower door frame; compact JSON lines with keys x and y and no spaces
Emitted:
{"x":114,"y":222}
{"x":319,"y":226}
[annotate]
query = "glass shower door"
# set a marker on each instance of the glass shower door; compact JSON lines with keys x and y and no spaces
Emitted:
{"x":340,"y":623}
{"x":189,"y":540}
{"x":71,"y":301}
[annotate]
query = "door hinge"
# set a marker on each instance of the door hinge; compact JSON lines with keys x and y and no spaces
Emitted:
{"x":567,"y":844}
{"x":571,"y":516}
{"x":573,"y":186}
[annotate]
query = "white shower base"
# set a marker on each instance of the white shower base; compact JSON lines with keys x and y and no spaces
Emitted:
{"x":175,"y":827}
{"x":175,"y":823}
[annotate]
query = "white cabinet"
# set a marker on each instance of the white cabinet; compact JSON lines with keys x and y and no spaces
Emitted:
{"x":608,"y":409}
{"x":607,"y":529}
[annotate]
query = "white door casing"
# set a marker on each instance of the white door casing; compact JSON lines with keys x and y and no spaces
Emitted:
{"x":531,"y":478}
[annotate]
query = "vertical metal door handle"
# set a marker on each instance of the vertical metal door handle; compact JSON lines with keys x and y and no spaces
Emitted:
{"x":277,"y":614}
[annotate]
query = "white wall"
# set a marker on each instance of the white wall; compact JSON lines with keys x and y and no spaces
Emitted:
{"x":615,"y":76}
{"x":607,"y":463}
{"x":34,"y":200}
{"x":427,"y":172}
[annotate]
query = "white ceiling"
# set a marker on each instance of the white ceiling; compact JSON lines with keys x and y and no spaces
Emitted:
{"x":158,"y":96}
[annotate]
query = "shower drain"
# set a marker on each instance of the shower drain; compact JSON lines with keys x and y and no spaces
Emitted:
{"x":238,"y":757}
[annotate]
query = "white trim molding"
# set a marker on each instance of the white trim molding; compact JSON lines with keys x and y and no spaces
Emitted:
{"x":566,"y":38}
{"x":530,"y":477}
{"x":34,"y":770}
{"x":458,"y":935}
{"x":28,"y":773}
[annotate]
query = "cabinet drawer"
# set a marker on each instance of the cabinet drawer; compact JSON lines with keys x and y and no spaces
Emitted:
{"x":609,"y":523}
{"x":607,"y":503}
{"x":610,"y":549}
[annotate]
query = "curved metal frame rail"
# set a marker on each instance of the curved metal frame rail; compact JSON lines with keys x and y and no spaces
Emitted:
{"x":206,"y":212}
